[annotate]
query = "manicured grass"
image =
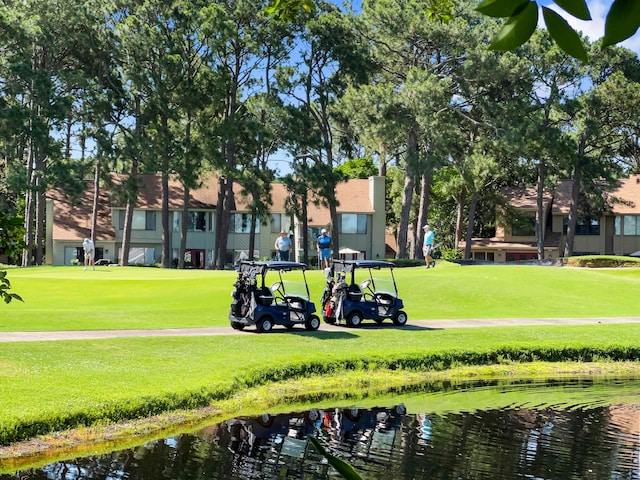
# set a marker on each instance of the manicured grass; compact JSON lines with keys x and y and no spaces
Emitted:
{"x":47,"y":386}
{"x":69,"y":298}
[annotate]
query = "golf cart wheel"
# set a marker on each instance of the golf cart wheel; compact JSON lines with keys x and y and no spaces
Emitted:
{"x":355,"y":319}
{"x":265,"y":325}
{"x":237,"y":325}
{"x":400,"y":318}
{"x":330,"y":320}
{"x":312,"y":323}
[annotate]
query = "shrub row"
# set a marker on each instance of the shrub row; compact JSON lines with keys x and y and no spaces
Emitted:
{"x":145,"y":407}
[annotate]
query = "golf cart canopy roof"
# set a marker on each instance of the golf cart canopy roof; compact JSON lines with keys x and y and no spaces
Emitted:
{"x":261,"y":267}
{"x":350,"y":265}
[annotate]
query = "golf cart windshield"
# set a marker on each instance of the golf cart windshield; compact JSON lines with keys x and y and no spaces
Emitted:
{"x":383,"y":285}
{"x":379,"y":274}
{"x":293,"y":288}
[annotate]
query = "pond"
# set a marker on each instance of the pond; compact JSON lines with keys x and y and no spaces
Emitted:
{"x":580,"y":429}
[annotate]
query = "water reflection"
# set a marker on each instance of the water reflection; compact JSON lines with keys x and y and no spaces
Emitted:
{"x":589,"y":439}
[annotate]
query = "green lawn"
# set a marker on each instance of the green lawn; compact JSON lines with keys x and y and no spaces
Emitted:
{"x":48,"y":386}
{"x":69,"y":298}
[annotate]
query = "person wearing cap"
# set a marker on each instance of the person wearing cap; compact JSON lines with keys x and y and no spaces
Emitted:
{"x":427,"y":248}
{"x":282,"y":246}
{"x":89,"y":253}
{"x":324,"y":248}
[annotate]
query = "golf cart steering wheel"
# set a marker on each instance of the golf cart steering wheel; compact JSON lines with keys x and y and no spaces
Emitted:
{"x":277,"y":292}
{"x":367,"y":291}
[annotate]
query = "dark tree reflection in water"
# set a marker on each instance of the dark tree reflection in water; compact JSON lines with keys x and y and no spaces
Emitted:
{"x":581,"y":441}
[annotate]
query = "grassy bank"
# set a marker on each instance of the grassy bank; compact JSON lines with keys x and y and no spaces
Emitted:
{"x":69,"y":298}
{"x":51,"y":386}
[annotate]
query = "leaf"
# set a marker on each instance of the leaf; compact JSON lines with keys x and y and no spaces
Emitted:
{"x":622,"y":21}
{"x":565,"y":36}
{"x":500,"y":8}
{"x":577,"y":8}
{"x":343,"y":468}
{"x":517,"y":30}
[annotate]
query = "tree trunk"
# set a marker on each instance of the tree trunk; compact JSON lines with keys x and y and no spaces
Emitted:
{"x":184,"y":225}
{"x":166,"y":226}
{"x":423,"y":214}
{"x":131,"y":191}
{"x":252,"y":234}
{"x":29,"y":216}
{"x":223,"y":214}
{"x":573,"y":211}
{"x":461,"y":200}
{"x":166,"y":231}
{"x":305,"y":229}
{"x":96,"y":197}
{"x":40,"y":219}
{"x":407,"y":192}
{"x":475,"y":196}
{"x":540,"y":210}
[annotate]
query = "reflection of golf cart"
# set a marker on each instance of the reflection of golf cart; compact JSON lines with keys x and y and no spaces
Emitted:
{"x":286,"y":302}
{"x":375,"y":298}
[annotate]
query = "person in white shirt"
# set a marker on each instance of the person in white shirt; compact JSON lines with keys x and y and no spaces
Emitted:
{"x":282,"y":246}
{"x":89,"y":253}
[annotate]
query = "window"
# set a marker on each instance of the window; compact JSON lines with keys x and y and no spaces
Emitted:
{"x":485,"y":256}
{"x":524,"y":227}
{"x":584,"y":225}
{"x":353,"y":223}
{"x":617,"y":225}
{"x":631,"y":225}
{"x":141,"y":220}
{"x":276,"y":223}
{"x":241,"y":223}
{"x":197,"y":221}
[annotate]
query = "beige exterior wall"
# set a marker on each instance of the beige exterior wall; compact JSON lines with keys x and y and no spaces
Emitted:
{"x":373,"y":242}
{"x":378,"y":219}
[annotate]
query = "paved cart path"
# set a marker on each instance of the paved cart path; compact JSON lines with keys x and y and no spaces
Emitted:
{"x":324,"y":327}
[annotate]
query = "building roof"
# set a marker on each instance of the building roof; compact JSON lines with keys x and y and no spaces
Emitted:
{"x":526,"y":197}
{"x":625,"y":198}
{"x":72,"y":220}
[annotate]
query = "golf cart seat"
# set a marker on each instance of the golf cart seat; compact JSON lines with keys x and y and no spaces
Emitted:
{"x":297,"y":304}
{"x":354,"y":293}
{"x":264,"y":296}
{"x":384,"y":298}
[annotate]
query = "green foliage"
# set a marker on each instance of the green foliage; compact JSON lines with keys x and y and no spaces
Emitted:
{"x":517,"y":29}
{"x":623,"y":20}
{"x":343,"y":468}
{"x":358,"y":168}
{"x":566,"y":38}
{"x":452,"y":254}
{"x":289,"y":10}
{"x":11,"y":234}
{"x":5,"y":286}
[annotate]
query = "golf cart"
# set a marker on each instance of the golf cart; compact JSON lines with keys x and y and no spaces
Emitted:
{"x":285,"y":302}
{"x":374,"y":298}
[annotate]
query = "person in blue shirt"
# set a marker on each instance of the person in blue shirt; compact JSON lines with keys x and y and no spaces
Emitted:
{"x":427,"y":248}
{"x":324,"y":248}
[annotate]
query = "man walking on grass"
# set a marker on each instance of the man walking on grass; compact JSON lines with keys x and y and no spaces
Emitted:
{"x":427,"y":248}
{"x":89,"y":253}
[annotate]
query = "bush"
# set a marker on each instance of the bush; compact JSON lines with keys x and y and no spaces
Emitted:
{"x":601,"y":261}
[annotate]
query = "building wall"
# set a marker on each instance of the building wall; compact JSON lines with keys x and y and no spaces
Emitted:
{"x":373,"y":242}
